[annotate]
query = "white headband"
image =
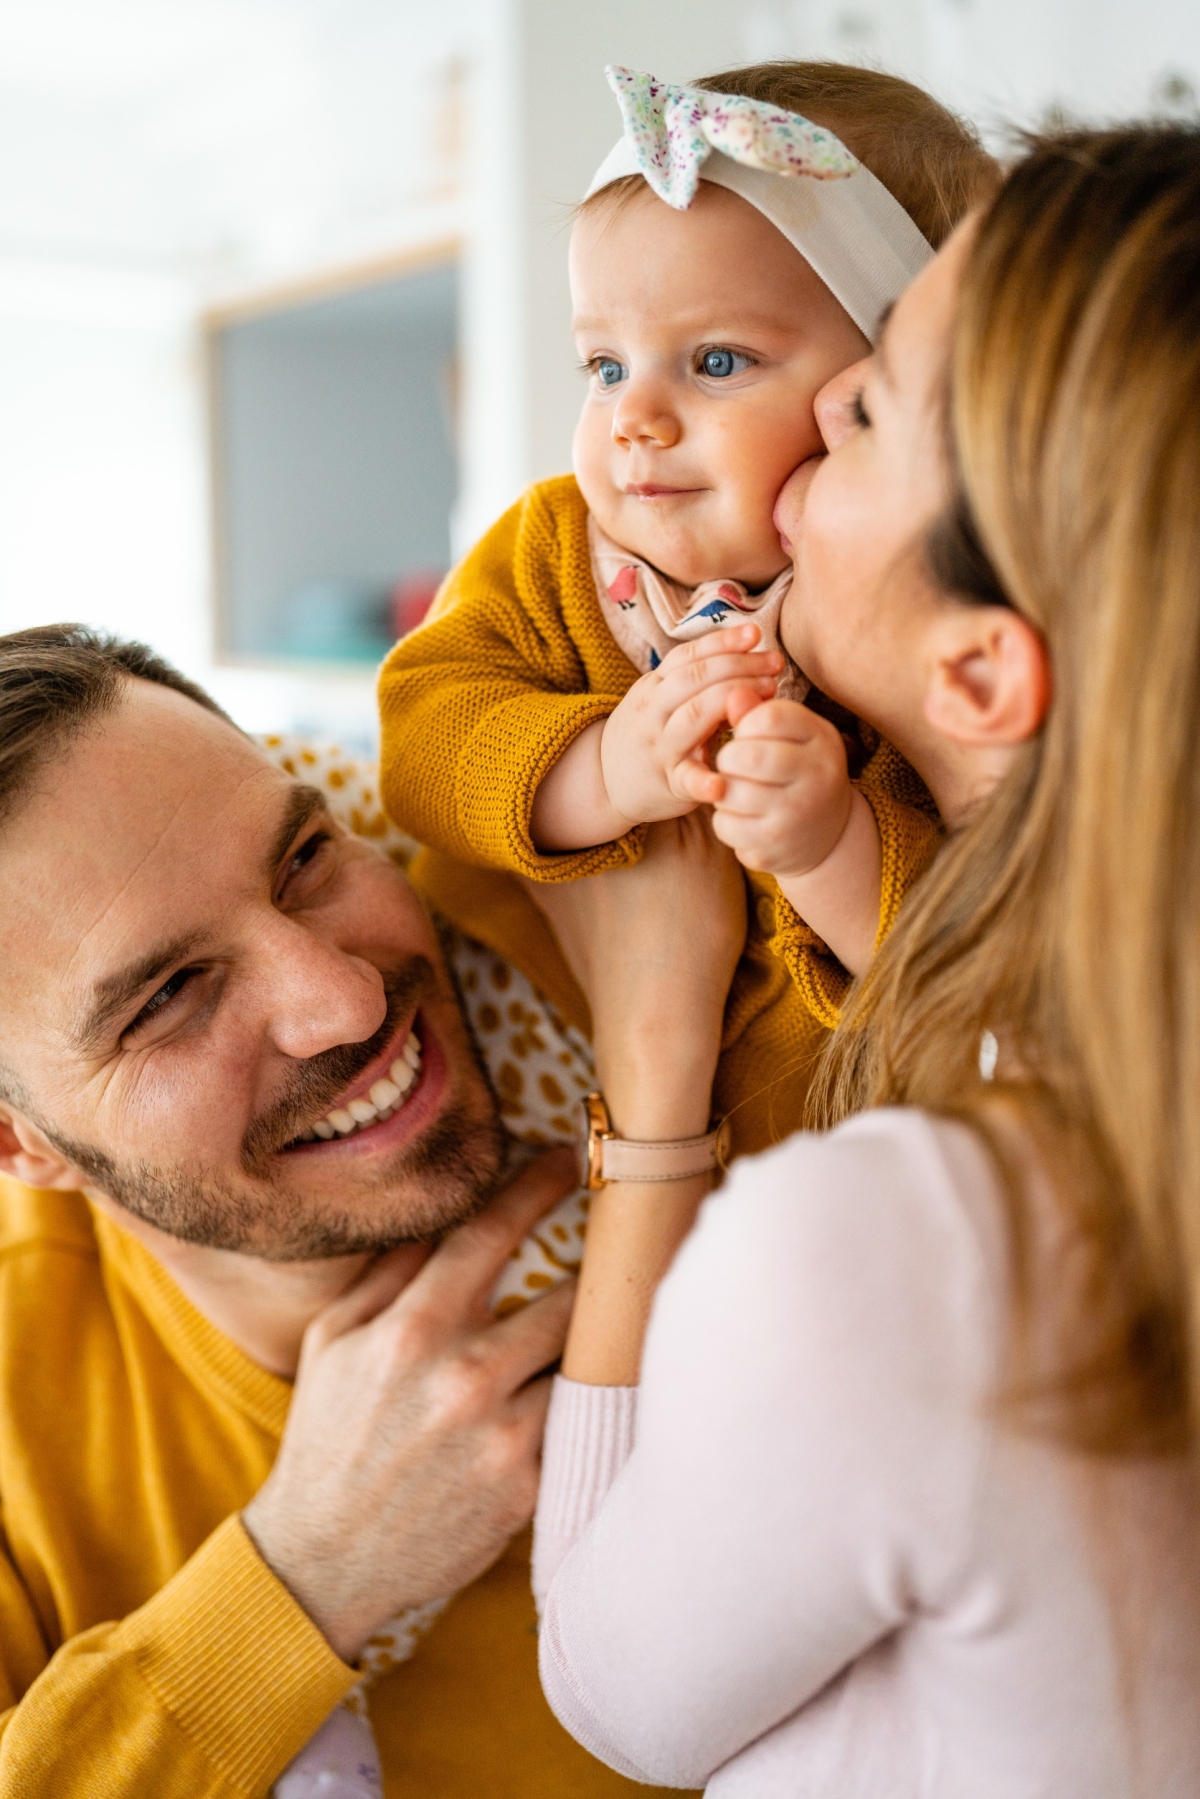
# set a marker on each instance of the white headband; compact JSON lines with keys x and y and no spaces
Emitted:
{"x":845,"y":223}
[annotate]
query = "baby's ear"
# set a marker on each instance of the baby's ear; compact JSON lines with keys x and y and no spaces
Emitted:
{"x":27,"y":1156}
{"x":988,"y":676}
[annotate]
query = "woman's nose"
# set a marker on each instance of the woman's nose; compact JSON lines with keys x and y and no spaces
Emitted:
{"x":643,"y":415}
{"x":834,"y":404}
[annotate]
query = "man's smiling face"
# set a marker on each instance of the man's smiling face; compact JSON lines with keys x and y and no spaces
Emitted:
{"x":200,"y":968}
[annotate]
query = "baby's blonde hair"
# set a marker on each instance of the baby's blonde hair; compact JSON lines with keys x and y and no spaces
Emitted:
{"x":930,"y":161}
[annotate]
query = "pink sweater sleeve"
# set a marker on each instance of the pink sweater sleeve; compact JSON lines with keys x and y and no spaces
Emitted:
{"x":589,"y":1437}
{"x":825,"y":1565}
{"x":806,"y":1458}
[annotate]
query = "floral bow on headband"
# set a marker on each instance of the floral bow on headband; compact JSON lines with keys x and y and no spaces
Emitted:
{"x":674,"y":130}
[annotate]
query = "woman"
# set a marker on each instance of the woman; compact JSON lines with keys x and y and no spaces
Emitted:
{"x":911,"y":1508}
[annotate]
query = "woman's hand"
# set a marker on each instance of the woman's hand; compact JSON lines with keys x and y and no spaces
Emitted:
{"x":654,"y":947}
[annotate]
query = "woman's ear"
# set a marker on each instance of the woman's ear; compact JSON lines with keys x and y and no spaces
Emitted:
{"x":989,"y":676}
{"x":27,"y":1156}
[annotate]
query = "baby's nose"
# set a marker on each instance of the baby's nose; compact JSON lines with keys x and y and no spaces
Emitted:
{"x":643,"y":420}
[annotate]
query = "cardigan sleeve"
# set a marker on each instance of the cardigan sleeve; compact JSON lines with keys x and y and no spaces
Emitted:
{"x":205,"y":1692}
{"x":589,"y":1439}
{"x":478,"y":703}
{"x":909,"y":835}
{"x":809,"y":1446}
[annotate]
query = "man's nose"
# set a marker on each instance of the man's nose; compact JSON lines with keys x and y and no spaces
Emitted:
{"x":644,"y":415}
{"x":834,"y":404}
{"x":318,"y":996}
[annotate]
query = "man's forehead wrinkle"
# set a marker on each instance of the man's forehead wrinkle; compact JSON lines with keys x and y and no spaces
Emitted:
{"x":114,"y":899}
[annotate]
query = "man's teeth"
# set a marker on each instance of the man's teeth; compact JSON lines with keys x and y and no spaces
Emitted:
{"x":386,"y":1096}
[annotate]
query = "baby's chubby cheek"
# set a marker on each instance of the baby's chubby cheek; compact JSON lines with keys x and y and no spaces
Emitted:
{"x":592,"y":459}
{"x":795,"y":616}
{"x":719,"y":525}
{"x":790,"y":502}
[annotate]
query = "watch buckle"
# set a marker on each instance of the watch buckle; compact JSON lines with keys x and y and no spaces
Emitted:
{"x":599,"y":1132}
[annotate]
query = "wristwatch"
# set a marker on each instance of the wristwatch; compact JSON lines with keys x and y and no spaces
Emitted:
{"x":613,"y":1158}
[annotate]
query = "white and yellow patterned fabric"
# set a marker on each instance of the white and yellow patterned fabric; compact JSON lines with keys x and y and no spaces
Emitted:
{"x":539,"y":1068}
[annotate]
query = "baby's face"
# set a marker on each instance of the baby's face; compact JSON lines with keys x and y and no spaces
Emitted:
{"x":706,"y":337}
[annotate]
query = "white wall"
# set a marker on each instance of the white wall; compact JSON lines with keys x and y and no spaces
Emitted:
{"x":102,"y":473}
{"x":1005,"y":60}
{"x":157,"y":156}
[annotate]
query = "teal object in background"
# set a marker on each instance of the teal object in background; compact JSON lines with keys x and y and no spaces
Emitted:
{"x":331,"y":621}
{"x":336,"y":469}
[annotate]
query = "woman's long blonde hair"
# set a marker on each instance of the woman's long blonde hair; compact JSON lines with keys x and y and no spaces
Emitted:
{"x":1065,"y":917}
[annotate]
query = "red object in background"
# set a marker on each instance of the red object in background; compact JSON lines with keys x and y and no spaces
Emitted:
{"x":411,"y":598}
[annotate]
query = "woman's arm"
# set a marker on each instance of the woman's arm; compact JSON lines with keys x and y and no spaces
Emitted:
{"x":654,"y":947}
{"x":810,"y":1436}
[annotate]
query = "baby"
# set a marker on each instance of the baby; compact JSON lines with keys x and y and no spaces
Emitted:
{"x":731,"y":257}
{"x":583,"y":655}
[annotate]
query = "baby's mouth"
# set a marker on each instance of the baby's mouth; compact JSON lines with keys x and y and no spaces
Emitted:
{"x":383,"y":1099}
{"x":653,"y":490}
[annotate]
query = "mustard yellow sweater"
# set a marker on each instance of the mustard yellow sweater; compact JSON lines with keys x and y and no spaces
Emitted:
{"x":145,"y":1649}
{"x":515,"y":660}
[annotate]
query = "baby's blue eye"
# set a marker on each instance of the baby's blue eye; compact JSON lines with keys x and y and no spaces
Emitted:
{"x":720,"y":363}
{"x":609,"y":371}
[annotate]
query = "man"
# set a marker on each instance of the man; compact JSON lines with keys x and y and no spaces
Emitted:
{"x":201,"y":968}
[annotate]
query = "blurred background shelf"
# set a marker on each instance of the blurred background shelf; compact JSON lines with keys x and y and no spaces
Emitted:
{"x":335,"y":464}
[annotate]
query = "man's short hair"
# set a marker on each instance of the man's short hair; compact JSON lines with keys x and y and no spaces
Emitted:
{"x":54,"y":681}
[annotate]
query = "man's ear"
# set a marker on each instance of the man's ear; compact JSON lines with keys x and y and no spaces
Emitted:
{"x":989,"y":676}
{"x":25,"y":1155}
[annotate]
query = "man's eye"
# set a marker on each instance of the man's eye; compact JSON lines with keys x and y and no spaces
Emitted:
{"x":720,"y":364}
{"x":308,"y":850}
{"x":158,"y":1002}
{"x":608,"y":371}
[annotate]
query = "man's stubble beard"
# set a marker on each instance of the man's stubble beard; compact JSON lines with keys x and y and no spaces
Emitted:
{"x":437,"y":1182}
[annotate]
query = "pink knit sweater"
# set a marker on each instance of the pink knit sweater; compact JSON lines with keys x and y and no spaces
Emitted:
{"x":825,"y":1568}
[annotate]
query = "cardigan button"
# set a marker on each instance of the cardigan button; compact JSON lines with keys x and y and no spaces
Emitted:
{"x":764,"y":911}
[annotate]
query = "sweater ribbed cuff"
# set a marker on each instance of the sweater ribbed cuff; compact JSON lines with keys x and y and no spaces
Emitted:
{"x":822,"y":981}
{"x":243,"y":1670}
{"x":499,"y":770}
{"x":589,"y":1438}
{"x":908,"y":840}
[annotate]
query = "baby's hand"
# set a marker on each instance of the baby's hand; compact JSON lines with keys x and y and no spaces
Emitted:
{"x":668,"y":716}
{"x":782,"y":800}
{"x":781,"y":792}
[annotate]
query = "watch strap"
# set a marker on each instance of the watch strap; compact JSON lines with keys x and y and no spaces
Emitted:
{"x":613,"y":1158}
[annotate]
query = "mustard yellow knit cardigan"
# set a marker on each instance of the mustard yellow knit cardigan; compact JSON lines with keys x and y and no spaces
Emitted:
{"x":478,"y":703}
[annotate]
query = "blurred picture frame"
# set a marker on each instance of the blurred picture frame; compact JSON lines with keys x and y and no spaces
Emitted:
{"x":333,"y":460}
